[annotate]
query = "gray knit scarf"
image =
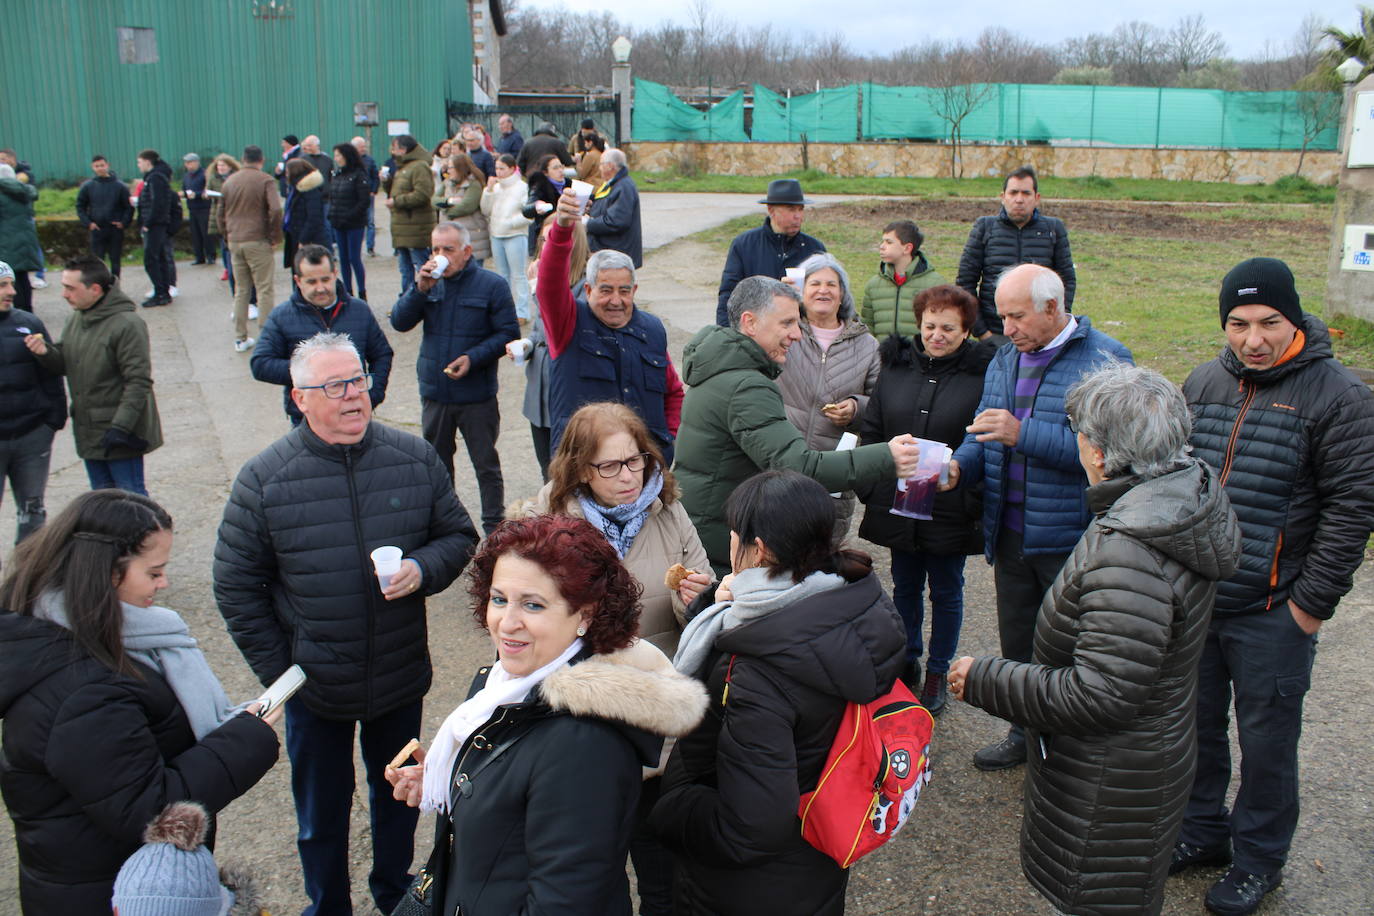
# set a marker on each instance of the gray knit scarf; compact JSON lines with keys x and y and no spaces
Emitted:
{"x":159,"y":638}
{"x":757,"y":594}
{"x":620,"y":524}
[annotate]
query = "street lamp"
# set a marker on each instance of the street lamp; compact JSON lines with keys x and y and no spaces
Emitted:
{"x":1349,"y":71}
{"x":620,"y":50}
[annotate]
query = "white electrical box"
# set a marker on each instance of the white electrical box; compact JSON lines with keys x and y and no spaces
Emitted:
{"x":1361,"y":152}
{"x":1358,"y":251}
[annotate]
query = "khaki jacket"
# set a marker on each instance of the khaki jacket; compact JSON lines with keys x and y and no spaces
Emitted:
{"x":411,"y":188}
{"x":250,"y":210}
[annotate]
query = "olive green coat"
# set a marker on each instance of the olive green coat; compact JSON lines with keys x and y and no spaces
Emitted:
{"x":467,"y":212}
{"x":104,"y":354}
{"x":734,"y":425}
{"x":887,"y":307}
{"x":411,"y":190}
{"x":18,"y":238}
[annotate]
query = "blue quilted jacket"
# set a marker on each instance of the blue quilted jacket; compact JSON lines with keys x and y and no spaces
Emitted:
{"x":1056,"y":504}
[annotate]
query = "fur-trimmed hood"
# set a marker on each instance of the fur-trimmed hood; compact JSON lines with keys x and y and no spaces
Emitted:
{"x":244,"y":886}
{"x":636,"y":686}
{"x":310,"y":181}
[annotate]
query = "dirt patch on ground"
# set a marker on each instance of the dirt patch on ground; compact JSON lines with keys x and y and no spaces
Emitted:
{"x":1161,"y":220}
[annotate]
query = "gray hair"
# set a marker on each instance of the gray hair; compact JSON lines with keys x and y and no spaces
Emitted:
{"x":308,"y":349}
{"x":824,"y":261}
{"x":464,"y":237}
{"x":6,"y":170}
{"x":614,"y":156}
{"x":757,"y":295}
{"x":1045,"y":285}
{"x":608,"y":259}
{"x":1135,"y":415}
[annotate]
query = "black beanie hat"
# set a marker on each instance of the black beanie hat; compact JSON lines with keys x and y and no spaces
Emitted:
{"x":1261,"y":281}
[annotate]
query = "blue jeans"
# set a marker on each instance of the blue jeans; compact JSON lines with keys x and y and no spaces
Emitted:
{"x":410,"y":260}
{"x":228,"y":265}
{"x":946,"y":574}
{"x":509,"y":258}
{"x":24,"y":460}
{"x":351,"y":259}
{"x":371,"y":224}
{"x":121,"y":474}
{"x":1266,"y":659}
{"x":322,"y":782}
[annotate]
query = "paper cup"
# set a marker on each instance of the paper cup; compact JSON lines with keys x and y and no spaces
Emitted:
{"x":440,"y":265}
{"x":386,"y":561}
{"x":797,"y":275}
{"x":520,"y":350}
{"x":583,"y":190}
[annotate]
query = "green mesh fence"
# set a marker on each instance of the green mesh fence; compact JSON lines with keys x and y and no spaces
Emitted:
{"x":660,"y":115}
{"x":1129,"y":116}
{"x":828,"y":116}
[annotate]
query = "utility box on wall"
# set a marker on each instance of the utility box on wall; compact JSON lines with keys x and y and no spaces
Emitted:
{"x":1361,"y":146}
{"x":1350,"y":265}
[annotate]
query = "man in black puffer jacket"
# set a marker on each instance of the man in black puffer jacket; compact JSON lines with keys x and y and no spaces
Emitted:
{"x":295,"y":584}
{"x":1291,"y":432}
{"x":159,"y":215}
{"x":319,"y":303}
{"x":1018,"y":234}
{"x":102,"y":206}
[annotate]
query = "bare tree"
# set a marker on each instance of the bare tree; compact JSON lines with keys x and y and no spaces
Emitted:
{"x":1009,"y":58}
{"x":1320,"y":109}
{"x":1141,"y":54}
{"x":1191,"y":45}
{"x":957,"y":96}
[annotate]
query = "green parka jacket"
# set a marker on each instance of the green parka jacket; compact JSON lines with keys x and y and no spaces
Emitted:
{"x":887,"y":307}
{"x":411,"y":190}
{"x":105,"y":355}
{"x":18,"y":238}
{"x":734,"y":425}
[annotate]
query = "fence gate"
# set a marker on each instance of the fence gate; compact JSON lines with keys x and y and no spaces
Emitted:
{"x":567,"y":118}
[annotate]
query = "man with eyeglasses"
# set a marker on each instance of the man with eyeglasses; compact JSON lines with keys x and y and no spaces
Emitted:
{"x":469,"y":317}
{"x":295,"y":584}
{"x":319,"y":300}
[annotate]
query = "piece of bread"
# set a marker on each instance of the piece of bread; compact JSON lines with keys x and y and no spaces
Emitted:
{"x":411,"y":747}
{"x":676,"y":573}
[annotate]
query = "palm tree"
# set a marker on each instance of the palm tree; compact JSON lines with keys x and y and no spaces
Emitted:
{"x":1359,"y":45}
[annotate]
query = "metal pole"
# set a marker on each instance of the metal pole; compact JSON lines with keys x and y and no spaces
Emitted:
{"x":1159,"y":108}
{"x":1092,"y":115}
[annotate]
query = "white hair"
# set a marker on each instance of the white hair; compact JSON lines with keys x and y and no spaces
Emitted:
{"x":308,"y":349}
{"x":464,"y":237}
{"x":614,"y":156}
{"x":1135,"y":415}
{"x":608,"y":259}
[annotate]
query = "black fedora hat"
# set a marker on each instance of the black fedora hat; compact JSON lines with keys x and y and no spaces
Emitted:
{"x":785,"y":191}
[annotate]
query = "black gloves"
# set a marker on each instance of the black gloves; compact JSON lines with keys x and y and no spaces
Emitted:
{"x":117,"y":438}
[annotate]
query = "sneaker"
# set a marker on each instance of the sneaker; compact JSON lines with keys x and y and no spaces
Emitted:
{"x":1239,"y":892}
{"x":173,"y":291}
{"x":371,"y":252}
{"x":252,"y":313}
{"x":1005,"y":754}
{"x":934,"y":693}
{"x":1186,"y":855}
{"x":243,"y":346}
{"x":154,"y":301}
{"x":38,"y":282}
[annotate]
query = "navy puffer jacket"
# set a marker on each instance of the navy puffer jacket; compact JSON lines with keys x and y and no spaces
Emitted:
{"x":470,"y":313}
{"x":1056,"y":507}
{"x":29,"y":394}
{"x":995,"y":243}
{"x":294,"y":579}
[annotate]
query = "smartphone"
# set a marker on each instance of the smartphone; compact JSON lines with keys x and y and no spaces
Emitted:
{"x":282,"y":689}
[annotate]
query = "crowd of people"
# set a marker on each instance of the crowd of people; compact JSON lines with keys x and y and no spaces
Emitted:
{"x":679,"y":618}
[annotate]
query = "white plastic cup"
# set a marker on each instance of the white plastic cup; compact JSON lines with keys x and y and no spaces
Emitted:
{"x":386,"y":561}
{"x":583,"y":190}
{"x":798,"y":276}
{"x":520,"y":350}
{"x":440,"y":265}
{"x":915,"y":497}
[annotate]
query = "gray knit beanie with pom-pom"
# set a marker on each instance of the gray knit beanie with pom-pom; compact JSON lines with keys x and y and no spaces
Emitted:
{"x":173,"y":874}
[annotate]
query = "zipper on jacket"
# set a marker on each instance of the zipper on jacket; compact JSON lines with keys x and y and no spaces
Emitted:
{"x":1274,"y":572}
{"x":1250,"y":389}
{"x":364,"y":563}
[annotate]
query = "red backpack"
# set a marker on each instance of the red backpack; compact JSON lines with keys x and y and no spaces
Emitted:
{"x":873,"y":775}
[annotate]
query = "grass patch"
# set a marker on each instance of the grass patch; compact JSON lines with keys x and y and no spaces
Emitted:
{"x":1290,"y":189}
{"x":55,"y":203}
{"x":1156,"y":294}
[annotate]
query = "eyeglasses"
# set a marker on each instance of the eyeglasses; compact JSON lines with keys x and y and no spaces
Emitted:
{"x":339,"y":387}
{"x":635,"y":463}
{"x":1073,"y":424}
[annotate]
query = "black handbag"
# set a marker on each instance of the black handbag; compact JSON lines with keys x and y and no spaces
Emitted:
{"x":418,"y":900}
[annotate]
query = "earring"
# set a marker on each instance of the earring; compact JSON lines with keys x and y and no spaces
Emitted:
{"x":581,"y":630}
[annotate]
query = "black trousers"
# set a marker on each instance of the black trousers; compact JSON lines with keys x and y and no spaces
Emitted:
{"x":1022,"y":581}
{"x":108,"y":242}
{"x":202,"y":243}
{"x":23,"y":291}
{"x":288,"y":250}
{"x":479,"y":424}
{"x":155,"y":260}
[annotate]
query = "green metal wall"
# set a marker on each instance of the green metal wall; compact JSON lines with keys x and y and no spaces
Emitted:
{"x":224,"y":77}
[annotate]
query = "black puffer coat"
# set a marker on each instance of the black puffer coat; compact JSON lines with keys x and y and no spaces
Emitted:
{"x":1294,"y":445}
{"x":350,"y":194}
{"x":545,"y":823}
{"x":995,"y":243}
{"x":933,"y":399}
{"x":732,"y":787}
{"x":157,"y":199}
{"x":1111,"y":696}
{"x":91,"y":756}
{"x":29,"y":394}
{"x":293,"y":575}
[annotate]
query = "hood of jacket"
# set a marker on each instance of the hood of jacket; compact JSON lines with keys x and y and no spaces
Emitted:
{"x":13,"y":187}
{"x":901,"y":352}
{"x":636,"y":687}
{"x":847,"y":642}
{"x":112,"y":303}
{"x":1316,"y":347}
{"x":161,"y":168}
{"x":310,"y":181}
{"x":1183,"y":514}
{"x":715,"y":350}
{"x":419,"y":154}
{"x":919,"y":265}
{"x":35,"y":650}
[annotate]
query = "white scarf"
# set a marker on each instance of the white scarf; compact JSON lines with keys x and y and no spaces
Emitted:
{"x":500,"y":689}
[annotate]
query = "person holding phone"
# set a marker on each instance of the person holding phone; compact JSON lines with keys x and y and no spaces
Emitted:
{"x":110,"y":709}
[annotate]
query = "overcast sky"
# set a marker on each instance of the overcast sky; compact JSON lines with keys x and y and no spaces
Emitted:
{"x":882,"y":27}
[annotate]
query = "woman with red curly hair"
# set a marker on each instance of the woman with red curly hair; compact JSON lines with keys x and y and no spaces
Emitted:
{"x":573,"y":707}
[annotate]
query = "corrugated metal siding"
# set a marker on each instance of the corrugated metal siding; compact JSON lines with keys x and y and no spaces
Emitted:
{"x":224,"y":78}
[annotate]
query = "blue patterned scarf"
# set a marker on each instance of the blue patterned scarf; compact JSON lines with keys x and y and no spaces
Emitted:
{"x":620,"y":524}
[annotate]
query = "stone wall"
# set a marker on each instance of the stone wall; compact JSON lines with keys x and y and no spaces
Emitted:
{"x":931,"y":160}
